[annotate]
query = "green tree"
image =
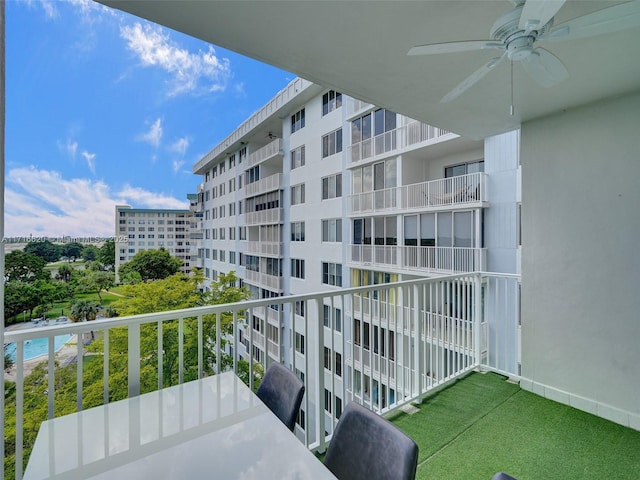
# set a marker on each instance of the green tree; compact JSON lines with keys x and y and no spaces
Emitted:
{"x":83,"y":310}
{"x":107,"y":254}
{"x":44,"y":249}
{"x":19,"y":297}
{"x":65,"y":272}
{"x":90,"y":253}
{"x":72,"y":250}
{"x":152,"y":265}
{"x":24,"y":267}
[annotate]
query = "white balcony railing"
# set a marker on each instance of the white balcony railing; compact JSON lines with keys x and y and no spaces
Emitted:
{"x":397,"y":139}
{"x":270,"y":150}
{"x":263,"y":217}
{"x":270,"y":249}
{"x":264,"y":185}
{"x":424,"y":259}
{"x":398,"y":341}
{"x":264,"y":280}
{"x":462,"y":191}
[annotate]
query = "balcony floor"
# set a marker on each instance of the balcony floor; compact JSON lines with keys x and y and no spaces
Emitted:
{"x":482,"y":424}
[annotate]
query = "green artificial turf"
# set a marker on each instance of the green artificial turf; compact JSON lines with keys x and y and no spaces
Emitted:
{"x":482,"y":424}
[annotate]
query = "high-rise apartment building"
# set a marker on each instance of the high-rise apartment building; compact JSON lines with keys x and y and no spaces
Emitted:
{"x":139,"y":229}
{"x":319,"y":191}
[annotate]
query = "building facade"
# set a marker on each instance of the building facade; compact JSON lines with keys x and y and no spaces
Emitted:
{"x":318,"y":191}
{"x":139,"y":229}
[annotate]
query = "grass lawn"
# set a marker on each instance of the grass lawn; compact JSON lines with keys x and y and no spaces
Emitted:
{"x":482,"y":425}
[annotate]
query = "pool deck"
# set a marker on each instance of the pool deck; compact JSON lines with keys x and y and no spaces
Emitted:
{"x":63,"y":356}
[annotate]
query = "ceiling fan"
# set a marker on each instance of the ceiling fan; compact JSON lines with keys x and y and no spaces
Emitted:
{"x":517,"y":33}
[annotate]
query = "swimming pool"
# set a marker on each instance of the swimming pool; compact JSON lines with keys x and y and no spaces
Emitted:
{"x":36,"y":347}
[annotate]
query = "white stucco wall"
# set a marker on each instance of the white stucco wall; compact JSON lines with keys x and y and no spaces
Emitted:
{"x":581,"y":258}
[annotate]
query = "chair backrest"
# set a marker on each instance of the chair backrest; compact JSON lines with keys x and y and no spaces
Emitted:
{"x":365,"y":446}
{"x":282,"y":392}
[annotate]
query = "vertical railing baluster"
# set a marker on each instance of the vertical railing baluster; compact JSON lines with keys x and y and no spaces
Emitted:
{"x":180,"y":350}
{"x":105,"y":364}
{"x":134,"y":359}
{"x":79,"y":362}
{"x":51,"y":377}
{"x":200,"y":346}
{"x":19,"y":409}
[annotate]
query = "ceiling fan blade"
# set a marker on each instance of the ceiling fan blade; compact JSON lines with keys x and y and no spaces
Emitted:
{"x":452,"y":47}
{"x":536,"y":13}
{"x":609,"y":20}
{"x":472,"y":79}
{"x":545,"y":68}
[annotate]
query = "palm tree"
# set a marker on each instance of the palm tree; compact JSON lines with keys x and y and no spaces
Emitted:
{"x":83,"y":311}
{"x":64,"y":272}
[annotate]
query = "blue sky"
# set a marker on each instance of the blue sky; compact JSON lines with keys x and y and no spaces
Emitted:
{"x":103,"y":108}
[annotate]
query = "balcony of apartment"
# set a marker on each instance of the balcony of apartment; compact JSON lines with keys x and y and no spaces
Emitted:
{"x":264,"y":185}
{"x":444,"y":331}
{"x":264,"y":217}
{"x":264,"y":280}
{"x":269,"y":151}
{"x":265,"y":249}
{"x":413,"y":134}
{"x":441,"y":260}
{"x":463,"y":191}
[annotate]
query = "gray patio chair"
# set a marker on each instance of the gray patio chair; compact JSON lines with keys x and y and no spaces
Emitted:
{"x":366,"y":446}
{"x":282,"y":392}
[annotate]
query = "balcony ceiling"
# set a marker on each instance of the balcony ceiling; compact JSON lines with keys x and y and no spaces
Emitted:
{"x":360,"y":48}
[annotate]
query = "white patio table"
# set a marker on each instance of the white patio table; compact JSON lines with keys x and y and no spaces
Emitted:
{"x":213,"y":428}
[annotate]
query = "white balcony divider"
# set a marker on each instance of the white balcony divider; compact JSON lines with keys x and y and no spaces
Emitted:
{"x":402,"y":137}
{"x":386,"y":345}
{"x":463,"y":190}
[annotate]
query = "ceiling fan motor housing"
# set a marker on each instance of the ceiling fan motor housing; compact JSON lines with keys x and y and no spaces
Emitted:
{"x":518,"y":42}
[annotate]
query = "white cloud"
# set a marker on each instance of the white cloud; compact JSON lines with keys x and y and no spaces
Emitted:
{"x":90,"y":157}
{"x":154,"y":135}
{"x":50,"y":9}
{"x":177,"y":165}
{"x":154,"y":48}
{"x":42,"y":202}
{"x":70,"y":147}
{"x":180,"y":146}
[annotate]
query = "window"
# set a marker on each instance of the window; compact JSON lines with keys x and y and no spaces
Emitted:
{"x":332,"y":230}
{"x":232,"y":185}
{"x":338,"y":407}
{"x":464,"y":169}
{"x":299,"y":343}
{"x":332,"y":186}
{"x":332,"y":274}
{"x":232,"y":209}
{"x":232,"y":161}
{"x":300,"y":308}
{"x":297,"y":194}
{"x":252,"y":175}
{"x":232,"y":257}
{"x":331,"y":101}
{"x":297,"y":231}
{"x":338,"y":363}
{"x":327,"y":358}
{"x":332,"y":143}
{"x":232,"y":233}
{"x":221,"y":166}
{"x":297,"y":157}
{"x":327,"y":400}
{"x":297,"y":121}
{"x":297,"y":268}
{"x":337,"y":318}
